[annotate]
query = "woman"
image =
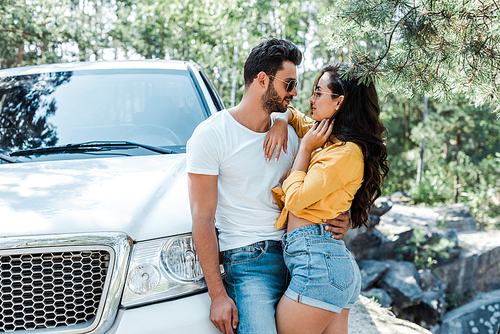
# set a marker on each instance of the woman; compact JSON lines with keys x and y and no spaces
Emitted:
{"x":340,"y":165}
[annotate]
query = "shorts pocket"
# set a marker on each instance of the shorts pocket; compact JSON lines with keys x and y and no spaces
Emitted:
{"x":295,"y":247}
{"x":340,"y":270}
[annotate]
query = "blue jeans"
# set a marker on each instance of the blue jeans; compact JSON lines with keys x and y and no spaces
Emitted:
{"x":256,"y":278}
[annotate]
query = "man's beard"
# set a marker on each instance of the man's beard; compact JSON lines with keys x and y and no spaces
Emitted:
{"x":271,"y":101}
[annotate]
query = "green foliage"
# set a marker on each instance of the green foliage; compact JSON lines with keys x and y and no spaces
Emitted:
{"x":453,"y":301}
{"x":408,"y":48}
{"x":437,"y":47}
{"x":443,"y":223}
{"x":461,"y":160}
{"x":400,"y":114}
{"x":217,"y":35}
{"x":426,"y":254}
{"x":433,"y":188}
{"x":25,"y":32}
{"x":39,"y":31}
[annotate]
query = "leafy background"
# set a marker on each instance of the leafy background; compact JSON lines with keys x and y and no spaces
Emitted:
{"x":435,"y":64}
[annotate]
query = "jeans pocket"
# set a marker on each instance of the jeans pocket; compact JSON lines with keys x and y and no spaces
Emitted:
{"x":340,"y":270}
{"x":243,"y":254}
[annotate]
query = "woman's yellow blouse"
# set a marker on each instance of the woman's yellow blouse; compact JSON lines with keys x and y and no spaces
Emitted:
{"x":334,"y":175}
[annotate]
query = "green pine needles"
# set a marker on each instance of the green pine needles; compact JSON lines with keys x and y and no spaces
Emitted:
{"x":434,"y":47}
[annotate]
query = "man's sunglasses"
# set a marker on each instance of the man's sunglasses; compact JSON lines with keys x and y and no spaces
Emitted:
{"x":290,"y":85}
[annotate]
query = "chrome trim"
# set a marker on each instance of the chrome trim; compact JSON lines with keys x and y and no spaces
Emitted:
{"x":119,"y":246}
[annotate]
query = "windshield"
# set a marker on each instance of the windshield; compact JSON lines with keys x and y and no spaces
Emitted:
{"x":151,"y":107}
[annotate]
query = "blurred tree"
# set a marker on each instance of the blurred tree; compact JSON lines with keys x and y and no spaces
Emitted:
{"x":462,"y":152}
{"x":85,"y":27}
{"x":217,"y":35}
{"x":463,"y":142}
{"x":27,"y":32}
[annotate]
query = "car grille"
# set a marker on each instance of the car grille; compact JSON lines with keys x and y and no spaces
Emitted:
{"x":48,"y":290}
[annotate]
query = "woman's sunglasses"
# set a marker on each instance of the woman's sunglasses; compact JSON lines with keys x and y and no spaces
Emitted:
{"x":316,"y":94}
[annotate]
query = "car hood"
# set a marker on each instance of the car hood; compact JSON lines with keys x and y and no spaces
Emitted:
{"x":145,"y":197}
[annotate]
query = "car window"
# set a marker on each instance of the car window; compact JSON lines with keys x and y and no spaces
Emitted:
{"x":151,"y":107}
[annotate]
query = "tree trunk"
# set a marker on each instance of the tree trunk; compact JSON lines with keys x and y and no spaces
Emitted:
{"x":420,"y":170}
{"x":20,"y":56}
{"x":457,"y":180}
{"x":236,"y":55}
{"x":407,"y":123}
{"x":234,"y":73}
{"x":309,"y":29}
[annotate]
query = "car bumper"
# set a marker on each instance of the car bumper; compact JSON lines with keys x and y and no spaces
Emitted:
{"x":183,"y":316}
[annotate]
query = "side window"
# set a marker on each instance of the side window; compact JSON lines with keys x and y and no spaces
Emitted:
{"x":215,"y":97}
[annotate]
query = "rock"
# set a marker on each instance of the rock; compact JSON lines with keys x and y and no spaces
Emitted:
{"x":436,"y":245}
{"x":401,"y":282}
{"x":380,"y":295}
{"x":456,"y":217}
{"x":368,"y":317}
{"x":382,"y":205}
{"x":373,"y":244}
{"x":399,"y":197}
{"x":473,"y":264}
{"x":477,"y":268}
{"x":395,"y":228}
{"x":479,"y":316}
{"x":402,"y":218}
{"x":429,"y":281}
{"x":433,"y":304}
{"x":371,"y":272}
{"x":454,"y":253}
{"x":454,"y":210}
{"x":373,"y":220}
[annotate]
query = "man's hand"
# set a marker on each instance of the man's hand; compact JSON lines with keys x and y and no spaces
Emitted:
{"x":224,"y":314}
{"x":339,"y":225}
{"x":276,"y":139}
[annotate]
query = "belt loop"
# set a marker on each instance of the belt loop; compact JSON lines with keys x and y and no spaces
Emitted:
{"x":321,"y":229}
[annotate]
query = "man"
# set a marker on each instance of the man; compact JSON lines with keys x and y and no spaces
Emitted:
{"x":230,"y":180}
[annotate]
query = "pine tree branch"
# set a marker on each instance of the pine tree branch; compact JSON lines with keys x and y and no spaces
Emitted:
{"x":380,"y":58}
{"x":494,"y":1}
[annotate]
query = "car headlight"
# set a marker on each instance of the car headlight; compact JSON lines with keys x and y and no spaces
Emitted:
{"x":162,"y":269}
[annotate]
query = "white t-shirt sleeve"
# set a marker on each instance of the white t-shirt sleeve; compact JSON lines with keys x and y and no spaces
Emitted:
{"x":203,"y":151}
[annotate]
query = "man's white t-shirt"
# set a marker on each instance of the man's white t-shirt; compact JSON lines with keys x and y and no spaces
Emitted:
{"x":246,"y":211}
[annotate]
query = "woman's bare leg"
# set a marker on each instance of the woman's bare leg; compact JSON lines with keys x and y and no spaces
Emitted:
{"x":339,"y":323}
{"x":293,"y":317}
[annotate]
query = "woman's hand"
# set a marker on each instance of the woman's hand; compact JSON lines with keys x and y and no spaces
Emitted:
{"x":317,"y":136}
{"x":314,"y":139}
{"x":277,"y":138}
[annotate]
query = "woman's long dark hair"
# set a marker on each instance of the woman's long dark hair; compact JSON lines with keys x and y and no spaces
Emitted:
{"x":357,"y":120}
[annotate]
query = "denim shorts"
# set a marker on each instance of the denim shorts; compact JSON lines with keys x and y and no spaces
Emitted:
{"x":323,"y":272}
{"x":256,"y":278}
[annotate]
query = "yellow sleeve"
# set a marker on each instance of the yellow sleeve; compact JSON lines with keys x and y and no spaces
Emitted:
{"x":300,"y":122}
{"x":340,"y":166}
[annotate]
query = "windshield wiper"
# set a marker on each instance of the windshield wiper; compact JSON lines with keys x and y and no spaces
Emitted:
{"x":7,"y":159}
{"x":90,"y":146}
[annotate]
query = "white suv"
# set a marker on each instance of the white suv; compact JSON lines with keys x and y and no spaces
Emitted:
{"x":95,"y":226}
